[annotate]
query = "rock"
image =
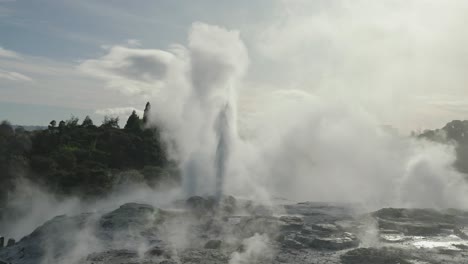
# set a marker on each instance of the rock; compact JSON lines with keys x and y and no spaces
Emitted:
{"x":335,"y":242}
{"x":292,"y":222}
{"x":122,"y":222}
{"x":460,"y":233}
{"x":10,"y":242}
{"x":155,"y":251}
{"x":415,"y":222}
{"x":113,"y":256}
{"x":200,"y":204}
{"x":228,"y":204}
{"x":210,"y":204}
{"x":167,"y":262}
{"x":213,"y":244}
{"x":126,"y":215}
{"x":310,"y":233}
{"x":461,"y":246}
{"x":291,"y":242}
{"x":325,"y":227}
{"x":374,"y":256}
{"x":2,"y":242}
{"x":249,"y":226}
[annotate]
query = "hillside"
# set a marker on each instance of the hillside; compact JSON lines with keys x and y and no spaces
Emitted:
{"x":84,"y":159}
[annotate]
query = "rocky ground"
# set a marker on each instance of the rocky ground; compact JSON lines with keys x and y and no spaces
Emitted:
{"x":201,"y":230}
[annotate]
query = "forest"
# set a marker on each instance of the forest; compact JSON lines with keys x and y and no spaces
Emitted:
{"x":73,"y":158}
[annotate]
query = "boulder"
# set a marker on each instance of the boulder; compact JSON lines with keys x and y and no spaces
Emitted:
{"x":335,"y":242}
{"x":291,"y":222}
{"x":213,"y":244}
{"x":10,"y":242}
{"x":374,"y":256}
{"x":155,"y":251}
{"x":200,"y":204}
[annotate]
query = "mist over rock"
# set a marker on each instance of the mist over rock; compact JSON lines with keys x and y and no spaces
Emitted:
{"x":455,"y":132}
{"x":293,"y":233}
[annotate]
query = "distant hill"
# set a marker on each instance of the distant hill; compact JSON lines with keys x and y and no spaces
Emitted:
{"x":455,"y":132}
{"x":29,"y":128}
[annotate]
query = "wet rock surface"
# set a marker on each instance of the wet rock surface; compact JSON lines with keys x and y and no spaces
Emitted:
{"x":207,"y":230}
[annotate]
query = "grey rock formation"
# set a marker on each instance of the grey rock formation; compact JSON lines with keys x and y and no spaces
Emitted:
{"x":10,"y":242}
{"x":300,"y":233}
{"x":213,"y":244}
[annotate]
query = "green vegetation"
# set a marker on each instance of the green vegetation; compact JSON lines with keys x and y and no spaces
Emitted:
{"x":84,"y":159}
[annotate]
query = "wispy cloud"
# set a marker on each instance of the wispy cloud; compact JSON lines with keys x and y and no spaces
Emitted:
{"x":130,"y":70}
{"x":52,"y":82}
{"x":14,"y":76}
{"x":118,"y":111}
{"x":8,"y":53}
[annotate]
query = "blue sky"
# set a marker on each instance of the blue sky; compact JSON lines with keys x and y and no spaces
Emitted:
{"x":370,"y":54}
{"x":48,"y":38}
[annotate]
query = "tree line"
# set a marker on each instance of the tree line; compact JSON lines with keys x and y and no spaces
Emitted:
{"x":83,"y":159}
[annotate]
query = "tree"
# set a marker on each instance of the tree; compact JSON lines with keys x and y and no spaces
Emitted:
{"x":110,"y":122}
{"x":146,"y":113}
{"x":19,"y":130}
{"x":61,"y":125}
{"x":52,"y":124}
{"x":6,"y":129}
{"x":72,"y":122}
{"x":87,"y":122}
{"x":133,"y":122}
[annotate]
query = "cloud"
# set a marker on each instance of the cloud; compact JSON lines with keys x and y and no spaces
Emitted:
{"x":8,"y":53}
{"x":134,"y":42}
{"x":373,"y":54}
{"x":53,"y":82}
{"x":14,"y":76}
{"x":130,"y":70}
{"x":118,"y":111}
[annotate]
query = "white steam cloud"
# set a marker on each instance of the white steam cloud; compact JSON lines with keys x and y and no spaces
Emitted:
{"x":337,"y":74}
{"x":377,"y":54}
{"x":293,"y":143}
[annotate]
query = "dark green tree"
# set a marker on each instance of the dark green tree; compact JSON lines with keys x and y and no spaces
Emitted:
{"x":87,"y":122}
{"x":133,"y":122}
{"x":110,"y":122}
{"x":6,"y":130}
{"x":52,"y":124}
{"x":146,"y":113}
{"x":72,"y":122}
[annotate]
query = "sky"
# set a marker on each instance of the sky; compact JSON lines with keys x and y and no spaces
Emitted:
{"x":402,"y":62}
